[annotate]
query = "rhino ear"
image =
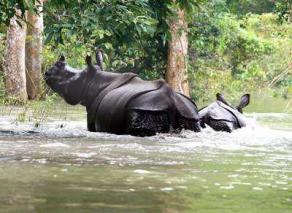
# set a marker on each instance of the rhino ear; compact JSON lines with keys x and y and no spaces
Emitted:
{"x":61,"y":62}
{"x":99,"y":57}
{"x":88,"y":60}
{"x":243,"y":102}
{"x":221,"y":98}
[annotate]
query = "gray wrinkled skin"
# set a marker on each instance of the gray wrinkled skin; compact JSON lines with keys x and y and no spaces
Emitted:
{"x":123,"y":103}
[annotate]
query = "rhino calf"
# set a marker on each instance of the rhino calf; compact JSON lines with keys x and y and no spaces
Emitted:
{"x":221,"y":116}
{"x":123,"y":103}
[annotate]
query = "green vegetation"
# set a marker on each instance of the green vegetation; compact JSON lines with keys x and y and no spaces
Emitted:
{"x":232,"y":55}
{"x":234,"y":46}
{"x":248,"y":54}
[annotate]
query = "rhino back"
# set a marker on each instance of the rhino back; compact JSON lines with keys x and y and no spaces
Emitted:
{"x":112,"y":108}
{"x":186,"y":107}
{"x":220,"y":111}
{"x":153,"y":101}
{"x":103,"y":83}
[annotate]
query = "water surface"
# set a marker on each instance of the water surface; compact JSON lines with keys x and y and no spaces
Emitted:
{"x":60,"y":167}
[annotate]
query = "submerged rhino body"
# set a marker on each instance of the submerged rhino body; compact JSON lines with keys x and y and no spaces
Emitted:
{"x":221,"y":116}
{"x":123,"y":103}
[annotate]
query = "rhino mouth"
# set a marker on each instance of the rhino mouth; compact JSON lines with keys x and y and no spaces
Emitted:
{"x":50,"y":78}
{"x":53,"y":82}
{"x":50,"y":81}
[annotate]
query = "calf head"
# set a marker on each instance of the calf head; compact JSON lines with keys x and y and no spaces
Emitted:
{"x":222,"y":116}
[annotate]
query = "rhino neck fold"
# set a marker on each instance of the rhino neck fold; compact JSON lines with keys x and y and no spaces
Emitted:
{"x":92,"y":102}
{"x":95,"y":85}
{"x":76,"y":90}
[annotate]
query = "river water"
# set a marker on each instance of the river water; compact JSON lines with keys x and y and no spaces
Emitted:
{"x":60,"y":167}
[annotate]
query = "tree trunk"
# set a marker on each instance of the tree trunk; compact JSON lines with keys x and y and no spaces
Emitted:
{"x":33,"y":47}
{"x":14,"y":61}
{"x":176,"y":73}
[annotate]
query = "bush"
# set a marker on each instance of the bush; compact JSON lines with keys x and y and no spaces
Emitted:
{"x":237,"y":55}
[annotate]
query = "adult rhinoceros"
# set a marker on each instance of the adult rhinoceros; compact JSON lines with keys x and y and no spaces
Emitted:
{"x":221,"y":116}
{"x":123,"y":103}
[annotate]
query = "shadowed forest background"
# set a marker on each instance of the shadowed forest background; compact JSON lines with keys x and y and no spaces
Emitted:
{"x":233,"y":46}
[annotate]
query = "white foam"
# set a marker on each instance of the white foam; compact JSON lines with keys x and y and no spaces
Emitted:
{"x":167,"y":189}
{"x":257,"y":188}
{"x":55,"y":145}
{"x":253,"y":137}
{"x":141,"y":171}
{"x":85,"y":155}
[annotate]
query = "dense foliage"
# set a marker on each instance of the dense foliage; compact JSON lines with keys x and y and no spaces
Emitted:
{"x":255,"y":49}
{"x":125,"y":30}
{"x":284,"y":10}
{"x":234,"y":46}
{"x":9,"y":8}
{"x":133,"y":34}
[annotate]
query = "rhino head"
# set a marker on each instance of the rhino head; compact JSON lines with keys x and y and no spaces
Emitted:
{"x":69,"y":83}
{"x":222,"y":116}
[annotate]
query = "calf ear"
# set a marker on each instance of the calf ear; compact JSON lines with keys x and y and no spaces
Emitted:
{"x":243,"y":102}
{"x":221,"y":98}
{"x":88,"y":61}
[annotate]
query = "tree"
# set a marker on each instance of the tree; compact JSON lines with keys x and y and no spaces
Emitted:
{"x":147,"y":35}
{"x":16,"y":13}
{"x":33,"y":60}
{"x":176,"y":73}
{"x":15,"y":8}
{"x":148,"y":40}
{"x":127,"y":31}
{"x":14,"y":61}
